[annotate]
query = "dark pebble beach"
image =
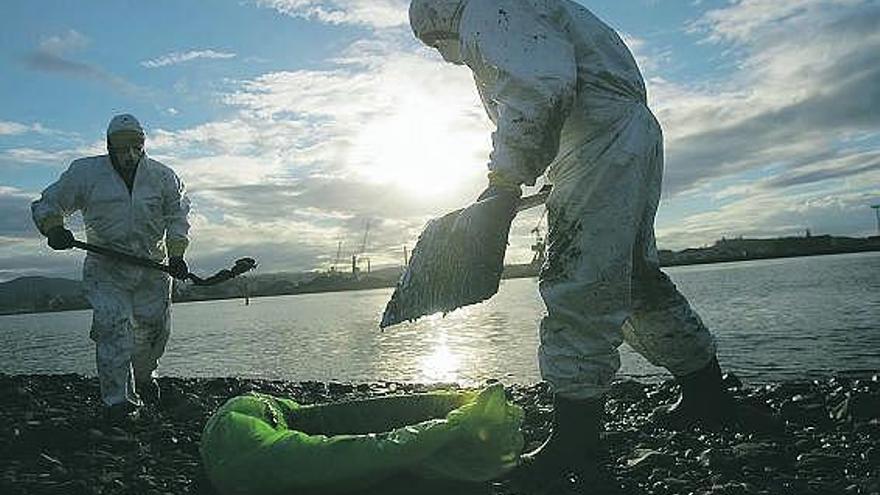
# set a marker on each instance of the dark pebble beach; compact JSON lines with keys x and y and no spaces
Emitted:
{"x":52,"y":440}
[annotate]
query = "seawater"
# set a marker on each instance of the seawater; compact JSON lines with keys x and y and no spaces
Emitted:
{"x":772,"y":319}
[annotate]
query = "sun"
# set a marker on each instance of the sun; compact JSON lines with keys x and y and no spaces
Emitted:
{"x":423,"y":146}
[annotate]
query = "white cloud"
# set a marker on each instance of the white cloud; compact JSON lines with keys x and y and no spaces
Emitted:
{"x":8,"y":128}
{"x":70,"y":41}
{"x":807,"y":81}
{"x":33,"y":155}
{"x":15,"y":223}
{"x":176,"y":58}
{"x":745,"y":21}
{"x":374,"y":13}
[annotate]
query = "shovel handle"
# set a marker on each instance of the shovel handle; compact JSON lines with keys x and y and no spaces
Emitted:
{"x":534,"y":200}
{"x":110,"y":253}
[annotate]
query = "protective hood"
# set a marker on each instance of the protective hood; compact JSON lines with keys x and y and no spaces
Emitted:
{"x":124,"y":122}
{"x":435,"y":23}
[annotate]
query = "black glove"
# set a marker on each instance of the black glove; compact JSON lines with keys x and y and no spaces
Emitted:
{"x":179,"y":269}
{"x":507,"y":196}
{"x":60,"y":238}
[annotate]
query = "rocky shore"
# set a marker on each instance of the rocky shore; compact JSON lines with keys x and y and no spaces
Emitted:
{"x":51,"y":441}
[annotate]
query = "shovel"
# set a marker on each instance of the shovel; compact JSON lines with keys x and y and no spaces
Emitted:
{"x":458,"y":260}
{"x":241,"y":265}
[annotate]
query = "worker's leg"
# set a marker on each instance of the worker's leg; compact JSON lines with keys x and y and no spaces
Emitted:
{"x":666,"y":330}
{"x":595,"y":215}
{"x":152,"y":318}
{"x":114,"y":340}
{"x":663,"y":328}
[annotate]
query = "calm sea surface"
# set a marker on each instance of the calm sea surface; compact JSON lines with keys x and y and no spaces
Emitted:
{"x":773,"y":319}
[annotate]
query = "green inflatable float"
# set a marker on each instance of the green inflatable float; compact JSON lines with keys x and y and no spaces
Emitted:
{"x":257,"y":443}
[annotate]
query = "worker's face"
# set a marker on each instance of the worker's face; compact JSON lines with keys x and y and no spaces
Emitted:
{"x":126,"y":148}
{"x":447,"y":44}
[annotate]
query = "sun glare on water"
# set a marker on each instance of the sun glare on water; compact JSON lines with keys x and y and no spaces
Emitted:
{"x":442,"y":365}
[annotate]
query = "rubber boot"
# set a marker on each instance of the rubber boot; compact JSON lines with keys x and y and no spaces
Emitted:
{"x":571,"y":448}
{"x":705,"y":401}
{"x":121,"y":415}
{"x":149,"y":392}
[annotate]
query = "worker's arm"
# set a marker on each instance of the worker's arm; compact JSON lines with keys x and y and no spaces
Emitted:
{"x":176,"y":210}
{"x":527,"y":77}
{"x":62,"y":198}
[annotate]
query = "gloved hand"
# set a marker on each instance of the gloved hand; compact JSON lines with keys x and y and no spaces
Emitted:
{"x":60,"y":238}
{"x":501,"y":187}
{"x":179,"y":268}
{"x":495,"y":191}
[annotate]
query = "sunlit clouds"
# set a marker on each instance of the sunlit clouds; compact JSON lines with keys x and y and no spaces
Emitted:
{"x":375,"y":13}
{"x":288,"y":160}
{"x":389,"y":135}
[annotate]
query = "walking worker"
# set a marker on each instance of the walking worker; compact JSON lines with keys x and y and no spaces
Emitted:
{"x":134,"y":204}
{"x":567,"y":97}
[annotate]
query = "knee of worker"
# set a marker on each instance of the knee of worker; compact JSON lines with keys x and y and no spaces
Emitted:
{"x":112,"y":327}
{"x":152,"y":299}
{"x":588,"y":293}
{"x":674,"y":338}
{"x":152,"y":318}
{"x":150,"y":341}
{"x":584,"y":317}
{"x":578,"y":354}
{"x":151,"y":334}
{"x":653,"y":290}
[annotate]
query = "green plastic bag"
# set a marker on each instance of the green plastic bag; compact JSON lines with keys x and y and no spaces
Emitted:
{"x":257,"y":443}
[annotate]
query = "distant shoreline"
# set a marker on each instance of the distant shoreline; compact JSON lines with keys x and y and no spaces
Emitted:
{"x":722,"y":252}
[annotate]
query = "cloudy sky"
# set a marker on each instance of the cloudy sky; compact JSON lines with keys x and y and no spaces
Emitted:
{"x":297,"y":123}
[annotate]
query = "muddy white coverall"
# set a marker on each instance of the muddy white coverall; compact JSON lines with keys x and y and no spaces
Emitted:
{"x":567,"y":98}
{"x":132,"y":305}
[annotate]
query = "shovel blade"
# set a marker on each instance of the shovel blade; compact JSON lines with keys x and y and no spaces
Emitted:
{"x":457,"y":261}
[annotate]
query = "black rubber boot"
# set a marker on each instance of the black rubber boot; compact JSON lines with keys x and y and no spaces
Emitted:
{"x":122,"y":415}
{"x":706,"y":402}
{"x":149,"y":392}
{"x":571,"y":450}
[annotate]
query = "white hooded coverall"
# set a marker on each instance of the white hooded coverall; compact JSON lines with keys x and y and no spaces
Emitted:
{"x":567,"y":98}
{"x":132,"y":305}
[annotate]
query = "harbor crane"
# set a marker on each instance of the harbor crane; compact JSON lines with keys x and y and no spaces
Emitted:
{"x":356,"y":258}
{"x":338,"y":256}
{"x":877,"y":212}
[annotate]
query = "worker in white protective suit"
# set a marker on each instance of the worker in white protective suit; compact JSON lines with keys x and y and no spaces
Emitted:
{"x":567,"y":97}
{"x":133,"y":204}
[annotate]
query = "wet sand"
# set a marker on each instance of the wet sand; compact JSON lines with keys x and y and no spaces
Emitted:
{"x":52,"y":441}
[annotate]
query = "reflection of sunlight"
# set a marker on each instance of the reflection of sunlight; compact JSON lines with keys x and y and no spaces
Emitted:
{"x":424,"y":146}
{"x":441,"y":365}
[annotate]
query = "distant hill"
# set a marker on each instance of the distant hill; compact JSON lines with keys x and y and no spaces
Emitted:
{"x":38,"y":294}
{"x":743,"y":249}
{"x":35,"y":294}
